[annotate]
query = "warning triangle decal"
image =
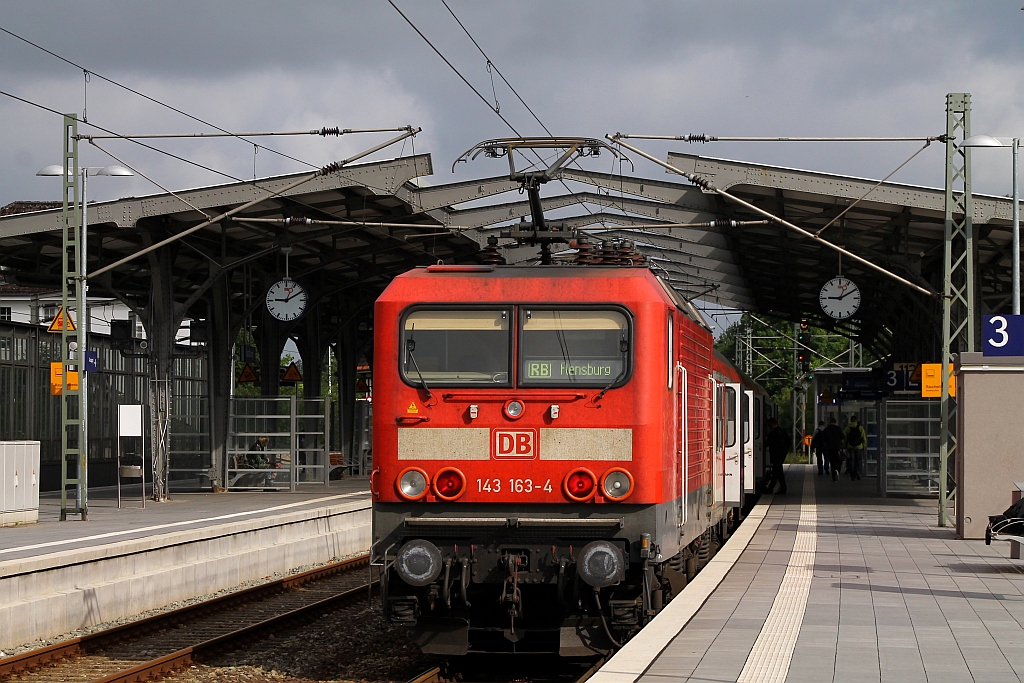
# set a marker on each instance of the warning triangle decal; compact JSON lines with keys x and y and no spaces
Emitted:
{"x":248,"y":375}
{"x":58,"y":322}
{"x":292,"y":374}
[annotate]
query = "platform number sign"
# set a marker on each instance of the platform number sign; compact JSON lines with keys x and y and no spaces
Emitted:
{"x":1003,"y":335}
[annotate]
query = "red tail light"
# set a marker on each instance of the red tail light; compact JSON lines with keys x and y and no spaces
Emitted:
{"x":449,"y":483}
{"x":580,"y":484}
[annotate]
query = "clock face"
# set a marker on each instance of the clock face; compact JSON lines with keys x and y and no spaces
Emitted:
{"x":839,"y":298}
{"x":286,"y":300}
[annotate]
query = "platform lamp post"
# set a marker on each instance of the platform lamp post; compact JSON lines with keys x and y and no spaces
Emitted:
{"x":83,"y":316}
{"x":1014,"y":144}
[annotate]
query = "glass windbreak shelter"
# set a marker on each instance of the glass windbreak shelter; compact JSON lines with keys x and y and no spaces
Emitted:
{"x":912,"y":446}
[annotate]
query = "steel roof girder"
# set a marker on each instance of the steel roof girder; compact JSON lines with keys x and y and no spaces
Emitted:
{"x":429,"y":198}
{"x":726,"y":173}
{"x":684,"y":196}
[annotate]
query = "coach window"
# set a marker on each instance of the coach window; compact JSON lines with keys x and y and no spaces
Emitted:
{"x":456,"y":347}
{"x":570,"y":348}
{"x":757,"y":418}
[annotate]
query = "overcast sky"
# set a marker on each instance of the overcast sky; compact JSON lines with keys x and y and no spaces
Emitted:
{"x":586,"y":68}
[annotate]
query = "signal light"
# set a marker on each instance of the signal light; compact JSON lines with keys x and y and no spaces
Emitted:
{"x":580,"y":485}
{"x":449,"y":483}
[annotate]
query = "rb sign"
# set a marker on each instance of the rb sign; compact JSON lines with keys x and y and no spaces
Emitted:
{"x":1003,"y":335}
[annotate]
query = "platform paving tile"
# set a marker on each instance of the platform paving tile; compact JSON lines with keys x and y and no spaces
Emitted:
{"x":893,"y":598}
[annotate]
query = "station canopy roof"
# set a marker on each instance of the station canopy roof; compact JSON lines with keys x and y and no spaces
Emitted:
{"x":757,"y":267}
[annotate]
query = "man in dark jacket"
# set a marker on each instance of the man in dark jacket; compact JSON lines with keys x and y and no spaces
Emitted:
{"x":832,"y":442}
{"x":778,"y":446}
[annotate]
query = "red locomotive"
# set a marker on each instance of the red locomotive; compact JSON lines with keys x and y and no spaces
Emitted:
{"x":556,"y":450}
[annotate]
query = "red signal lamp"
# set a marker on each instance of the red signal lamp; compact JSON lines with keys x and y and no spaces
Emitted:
{"x":449,"y":483}
{"x":580,"y":485}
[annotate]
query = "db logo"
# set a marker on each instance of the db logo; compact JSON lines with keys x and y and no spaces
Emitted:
{"x":519,"y":444}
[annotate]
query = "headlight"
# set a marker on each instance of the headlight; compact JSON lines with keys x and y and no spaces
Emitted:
{"x":418,"y":562}
{"x":601,"y":564}
{"x":617,"y":484}
{"x":449,"y":483}
{"x":412,"y":483}
{"x":514,"y":409}
{"x":580,"y":485}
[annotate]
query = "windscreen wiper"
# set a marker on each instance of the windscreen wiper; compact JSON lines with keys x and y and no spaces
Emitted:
{"x":410,"y":346}
{"x":624,"y":348}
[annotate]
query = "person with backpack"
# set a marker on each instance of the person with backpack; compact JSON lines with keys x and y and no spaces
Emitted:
{"x":777,"y":444}
{"x":832,"y":441}
{"x":856,"y":443}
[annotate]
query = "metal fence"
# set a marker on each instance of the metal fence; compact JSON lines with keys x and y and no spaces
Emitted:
{"x":29,"y":411}
{"x":277,"y":443}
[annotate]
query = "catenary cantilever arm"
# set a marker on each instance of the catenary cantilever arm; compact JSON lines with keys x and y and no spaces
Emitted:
{"x":707,"y":185}
{"x":326,"y":170}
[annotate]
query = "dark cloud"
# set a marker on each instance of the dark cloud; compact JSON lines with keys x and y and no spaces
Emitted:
{"x":753,"y":68}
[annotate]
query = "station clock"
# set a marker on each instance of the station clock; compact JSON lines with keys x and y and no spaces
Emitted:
{"x":839,"y":298}
{"x":286,"y":300}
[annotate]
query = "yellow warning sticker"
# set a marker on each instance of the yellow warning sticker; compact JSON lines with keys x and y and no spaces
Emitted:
{"x":58,"y":321}
{"x":412,"y":408}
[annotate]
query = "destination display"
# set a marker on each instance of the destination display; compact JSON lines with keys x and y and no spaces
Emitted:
{"x":562,"y":371}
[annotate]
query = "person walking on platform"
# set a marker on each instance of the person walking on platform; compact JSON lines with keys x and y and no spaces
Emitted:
{"x":778,"y":446}
{"x":856,"y":442}
{"x":832,"y":442}
{"x":818,"y":451}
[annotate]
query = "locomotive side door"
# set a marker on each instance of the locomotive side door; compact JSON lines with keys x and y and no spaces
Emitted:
{"x":716,"y":454}
{"x":748,"y":442}
{"x":733,"y":445}
{"x":684,"y":449}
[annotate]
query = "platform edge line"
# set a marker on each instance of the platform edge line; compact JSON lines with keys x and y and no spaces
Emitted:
{"x":636,"y":657}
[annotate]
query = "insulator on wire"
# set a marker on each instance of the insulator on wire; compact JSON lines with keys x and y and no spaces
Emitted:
{"x":330,"y":168}
{"x":490,"y":254}
{"x":335,"y":131}
{"x":701,"y":182}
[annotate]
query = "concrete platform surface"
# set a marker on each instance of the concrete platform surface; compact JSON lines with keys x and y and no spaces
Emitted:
{"x":836,"y":584}
{"x":56,"y":577}
{"x":107,"y":524}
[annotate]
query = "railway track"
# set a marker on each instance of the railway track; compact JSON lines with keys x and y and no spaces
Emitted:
{"x":515,"y":669}
{"x":162,"y":644}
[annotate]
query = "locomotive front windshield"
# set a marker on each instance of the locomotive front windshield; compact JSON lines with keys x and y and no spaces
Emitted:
{"x":568,"y":348}
{"x":456,"y":347}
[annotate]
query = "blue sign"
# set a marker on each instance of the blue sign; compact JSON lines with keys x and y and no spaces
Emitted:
{"x":1003,"y":335}
{"x":91,"y":361}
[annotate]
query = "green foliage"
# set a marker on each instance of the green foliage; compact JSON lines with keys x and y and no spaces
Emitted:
{"x":773,"y":340}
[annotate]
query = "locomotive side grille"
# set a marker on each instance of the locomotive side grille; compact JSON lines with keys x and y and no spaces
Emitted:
{"x":586,"y":444}
{"x":439,"y":443}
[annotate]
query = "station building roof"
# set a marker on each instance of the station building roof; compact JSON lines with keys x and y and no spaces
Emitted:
{"x":762,"y":267}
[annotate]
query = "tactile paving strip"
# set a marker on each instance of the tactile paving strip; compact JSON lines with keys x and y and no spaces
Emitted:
{"x":768,"y":661}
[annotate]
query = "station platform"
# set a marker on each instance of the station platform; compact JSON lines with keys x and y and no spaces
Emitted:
{"x":832,"y":583}
{"x":56,"y":577}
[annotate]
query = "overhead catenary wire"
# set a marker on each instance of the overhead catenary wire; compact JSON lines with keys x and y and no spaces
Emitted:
{"x":146,"y":97}
{"x":480,"y":95}
{"x":701,"y":137}
{"x":323,"y":132}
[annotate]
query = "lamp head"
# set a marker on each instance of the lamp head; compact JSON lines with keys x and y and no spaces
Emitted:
{"x":52,"y":169}
{"x":985,"y":141}
{"x":114,"y":169}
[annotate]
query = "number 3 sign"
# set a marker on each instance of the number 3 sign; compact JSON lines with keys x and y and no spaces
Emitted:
{"x":1003,"y":335}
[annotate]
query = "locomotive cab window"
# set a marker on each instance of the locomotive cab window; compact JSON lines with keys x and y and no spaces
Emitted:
{"x":569,"y":348}
{"x":456,"y":347}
